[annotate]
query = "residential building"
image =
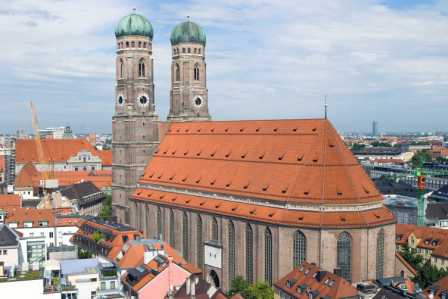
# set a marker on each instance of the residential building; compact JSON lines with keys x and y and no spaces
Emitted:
{"x":438,"y":290}
{"x":431,"y":243}
{"x":198,"y":288}
{"x":85,"y":197}
{"x":308,"y":281}
{"x":56,"y":133}
{"x":379,"y":152}
{"x":58,"y":154}
{"x":9,"y":249}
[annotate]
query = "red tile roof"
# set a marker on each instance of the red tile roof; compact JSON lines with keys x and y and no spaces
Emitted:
{"x":22,"y":215}
{"x":308,"y":277}
{"x":270,"y":214}
{"x":56,"y":150}
{"x":434,"y":239}
{"x":106,"y":157}
{"x":30,"y":177}
{"x":10,"y":201}
{"x":297,"y":161}
{"x":2,"y":163}
{"x":437,"y":288}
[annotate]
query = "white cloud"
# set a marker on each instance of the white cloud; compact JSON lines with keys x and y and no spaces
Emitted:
{"x":266,"y":59}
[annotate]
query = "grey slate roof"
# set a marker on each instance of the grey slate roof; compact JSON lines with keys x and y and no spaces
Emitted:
{"x":80,"y":190}
{"x":7,"y":237}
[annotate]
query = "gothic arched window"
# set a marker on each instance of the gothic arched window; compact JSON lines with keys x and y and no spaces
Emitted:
{"x":231,"y":251}
{"x":249,"y":254}
{"x":196,"y":71}
{"x":268,"y":256}
{"x":185,"y":236}
{"x":121,"y":69}
{"x":141,"y":68}
{"x":199,"y":241}
{"x":172,"y":238}
{"x":299,"y":248}
{"x":159,"y":224}
{"x":177,"y":72}
{"x":344,"y":255}
{"x":380,"y":254}
{"x":215,"y":230}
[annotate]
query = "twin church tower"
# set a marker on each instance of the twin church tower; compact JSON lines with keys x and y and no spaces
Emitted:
{"x":135,"y":124}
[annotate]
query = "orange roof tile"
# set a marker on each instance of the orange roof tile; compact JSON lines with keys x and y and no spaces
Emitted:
{"x":106,"y":157}
{"x":297,"y":161}
{"x":308,"y":277}
{"x":435,"y":239}
{"x":56,"y":150}
{"x":437,"y":288}
{"x":10,"y":200}
{"x":30,"y":177}
{"x":2,"y":163}
{"x":22,"y":215}
{"x":270,"y":214}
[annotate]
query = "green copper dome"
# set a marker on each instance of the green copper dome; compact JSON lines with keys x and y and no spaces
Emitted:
{"x":187,"y":32}
{"x":134,"y":24}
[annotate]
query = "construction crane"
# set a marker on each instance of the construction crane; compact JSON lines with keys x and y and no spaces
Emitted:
{"x":47,"y":182}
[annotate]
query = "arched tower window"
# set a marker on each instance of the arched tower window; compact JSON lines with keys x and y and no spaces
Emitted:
{"x":268,"y":256}
{"x":159,"y":224}
{"x":141,"y":68}
{"x":344,"y":255}
{"x":199,"y":242}
{"x":231,"y":251}
{"x":177,"y":72}
{"x":380,"y":254}
{"x":185,"y":236}
{"x":299,"y":248}
{"x":249,"y":254}
{"x":172,"y":238}
{"x":215,"y":230}
{"x":196,"y":71}
{"x":121,"y":69}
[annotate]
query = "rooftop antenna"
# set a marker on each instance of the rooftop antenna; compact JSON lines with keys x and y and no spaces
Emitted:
{"x":188,"y":18}
{"x":134,"y":10}
{"x":325,"y":106}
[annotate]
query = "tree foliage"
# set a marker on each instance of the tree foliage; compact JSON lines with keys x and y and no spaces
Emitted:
{"x":427,"y":273}
{"x":106,"y":208}
{"x":421,"y":157}
{"x":259,"y":290}
{"x":84,"y":254}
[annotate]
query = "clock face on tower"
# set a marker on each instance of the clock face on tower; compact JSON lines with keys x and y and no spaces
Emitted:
{"x":197,"y":101}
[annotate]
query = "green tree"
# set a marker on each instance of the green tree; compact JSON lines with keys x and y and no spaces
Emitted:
{"x":421,"y":157}
{"x":383,"y":144}
{"x":97,"y":236}
{"x":259,"y":290}
{"x":106,"y":208}
{"x":84,"y":254}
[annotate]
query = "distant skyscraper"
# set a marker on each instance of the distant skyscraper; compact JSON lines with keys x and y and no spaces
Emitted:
{"x":374,"y":128}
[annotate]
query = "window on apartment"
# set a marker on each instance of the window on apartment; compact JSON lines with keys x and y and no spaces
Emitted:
{"x":43,"y":223}
{"x":28,"y":224}
{"x":103,"y":285}
{"x":112,"y":285}
{"x":12,"y":224}
{"x":5,"y":251}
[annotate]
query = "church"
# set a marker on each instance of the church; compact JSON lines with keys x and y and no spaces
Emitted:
{"x":250,"y":198}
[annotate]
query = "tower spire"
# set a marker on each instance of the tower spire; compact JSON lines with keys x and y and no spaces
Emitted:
{"x":325,"y":106}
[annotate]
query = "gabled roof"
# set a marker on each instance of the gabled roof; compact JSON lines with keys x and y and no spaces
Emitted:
{"x":35,"y":216}
{"x":438,"y":288}
{"x":79,"y":190}
{"x":435,"y":239}
{"x":10,"y":200}
{"x":7,"y":237}
{"x":308,"y":278}
{"x":297,"y":161}
{"x":56,"y":150}
{"x":408,"y":266}
{"x":106,"y":157}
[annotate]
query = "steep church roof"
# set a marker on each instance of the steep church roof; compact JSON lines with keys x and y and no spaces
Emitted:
{"x":301,"y":163}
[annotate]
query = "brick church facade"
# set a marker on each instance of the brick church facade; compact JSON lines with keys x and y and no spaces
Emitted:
{"x":238,"y":198}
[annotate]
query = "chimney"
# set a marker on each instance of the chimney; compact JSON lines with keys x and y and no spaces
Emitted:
{"x":147,"y":257}
{"x":193,"y":287}
{"x":188,"y":286}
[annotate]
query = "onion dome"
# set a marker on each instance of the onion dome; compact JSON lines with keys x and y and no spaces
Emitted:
{"x":187,"y":32}
{"x":134,"y":24}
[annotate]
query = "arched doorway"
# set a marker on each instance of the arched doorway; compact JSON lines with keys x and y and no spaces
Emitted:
{"x":213,"y":278}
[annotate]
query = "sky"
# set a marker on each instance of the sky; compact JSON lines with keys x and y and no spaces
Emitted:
{"x":384,"y":60}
